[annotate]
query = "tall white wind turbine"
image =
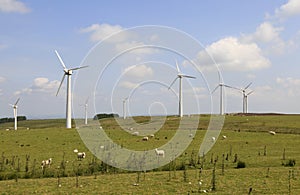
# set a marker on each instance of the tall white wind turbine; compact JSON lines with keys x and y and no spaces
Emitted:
{"x":245,"y":101}
{"x":124,"y":107}
{"x":245,"y":96}
{"x":68,"y":73}
{"x":221,"y":86}
{"x":15,"y":107}
{"x":180,"y":76}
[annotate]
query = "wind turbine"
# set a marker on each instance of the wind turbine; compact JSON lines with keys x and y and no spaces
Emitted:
{"x":124,"y":107}
{"x":85,"y":110}
{"x":222,"y":85}
{"x":180,"y":76}
{"x":68,"y":73}
{"x":15,"y":107}
{"x":245,"y":98}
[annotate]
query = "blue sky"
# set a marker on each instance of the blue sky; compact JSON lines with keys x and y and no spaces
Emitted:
{"x":251,"y":41}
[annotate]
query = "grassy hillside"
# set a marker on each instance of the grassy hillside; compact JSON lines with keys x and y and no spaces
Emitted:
{"x":247,"y":140}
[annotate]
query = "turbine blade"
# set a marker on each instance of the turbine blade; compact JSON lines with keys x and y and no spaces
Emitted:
{"x":62,"y":80}
{"x":177,"y":67}
{"x":17,"y":101}
{"x":188,"y":76}
{"x":61,"y":61}
{"x":173,"y":82}
{"x":248,"y":86}
{"x":249,"y":93}
{"x":228,"y":86}
{"x":215,"y":89}
{"x":79,"y":68}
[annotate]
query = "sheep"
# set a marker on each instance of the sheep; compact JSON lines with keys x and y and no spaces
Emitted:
{"x":160,"y":152}
{"x":151,"y":135}
{"x":135,"y":133}
{"x":145,"y":138}
{"x":81,"y":155}
{"x":75,"y":150}
{"x":191,"y":135}
{"x":46,"y":162}
{"x":213,"y":139}
{"x":272,"y":132}
{"x":224,"y":136}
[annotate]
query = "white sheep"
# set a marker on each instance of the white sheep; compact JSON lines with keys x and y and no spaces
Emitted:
{"x":145,"y":138}
{"x":224,"y":137}
{"x":160,"y":152}
{"x":81,"y":155}
{"x":75,"y":150}
{"x":151,"y":135}
{"x":213,"y":139}
{"x":135,"y":133}
{"x":45,"y":163}
{"x":272,"y":132}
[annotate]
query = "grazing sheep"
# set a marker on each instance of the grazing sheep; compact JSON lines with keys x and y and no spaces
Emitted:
{"x":224,"y":137}
{"x":160,"y":152}
{"x":272,"y":132}
{"x":75,"y":150}
{"x":135,"y":133}
{"x":152,"y":135}
{"x":213,"y":139}
{"x":191,"y":135}
{"x":45,"y":163}
{"x":81,"y":155}
{"x":145,"y":138}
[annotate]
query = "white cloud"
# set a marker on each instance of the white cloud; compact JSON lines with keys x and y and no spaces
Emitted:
{"x":8,"y":6}
{"x":101,"y":31}
{"x":140,"y":71}
{"x":291,"y":8}
{"x":128,"y":84}
{"x":2,"y":79}
{"x":268,"y":36}
{"x":40,"y":85}
{"x":231,"y":54}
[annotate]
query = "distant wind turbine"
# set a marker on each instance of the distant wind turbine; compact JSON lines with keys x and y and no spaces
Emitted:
{"x":124,"y":107}
{"x":69,"y":73}
{"x":15,"y":107}
{"x":222,"y":85}
{"x":245,"y":98}
{"x":85,"y":110}
{"x":180,"y":76}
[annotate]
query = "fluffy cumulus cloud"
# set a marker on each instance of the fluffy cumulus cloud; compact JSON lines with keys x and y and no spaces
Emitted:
{"x":8,"y":6}
{"x":101,"y":31}
{"x":40,"y":85}
{"x":232,"y":54}
{"x":140,"y":71}
{"x":291,"y":8}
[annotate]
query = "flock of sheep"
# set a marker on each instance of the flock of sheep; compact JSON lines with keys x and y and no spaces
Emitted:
{"x":48,"y":162}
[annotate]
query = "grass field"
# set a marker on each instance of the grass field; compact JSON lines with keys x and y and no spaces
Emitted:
{"x":247,"y":141}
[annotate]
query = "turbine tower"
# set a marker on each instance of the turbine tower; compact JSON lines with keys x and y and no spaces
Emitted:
{"x":124,"y":107}
{"x":245,"y":101}
{"x":85,"y":110}
{"x":222,"y":85}
{"x":68,"y":73}
{"x":180,"y":76}
{"x":245,"y":96}
{"x":15,"y":107}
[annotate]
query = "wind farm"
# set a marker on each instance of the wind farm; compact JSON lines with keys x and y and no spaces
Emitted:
{"x":204,"y":100}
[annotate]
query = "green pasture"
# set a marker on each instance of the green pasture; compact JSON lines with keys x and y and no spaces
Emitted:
{"x":248,"y":140}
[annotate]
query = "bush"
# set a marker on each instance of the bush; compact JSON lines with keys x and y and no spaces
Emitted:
{"x":290,"y":163}
{"x":240,"y":164}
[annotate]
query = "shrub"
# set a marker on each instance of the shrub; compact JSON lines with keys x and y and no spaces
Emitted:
{"x":240,"y":164}
{"x":290,"y":163}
